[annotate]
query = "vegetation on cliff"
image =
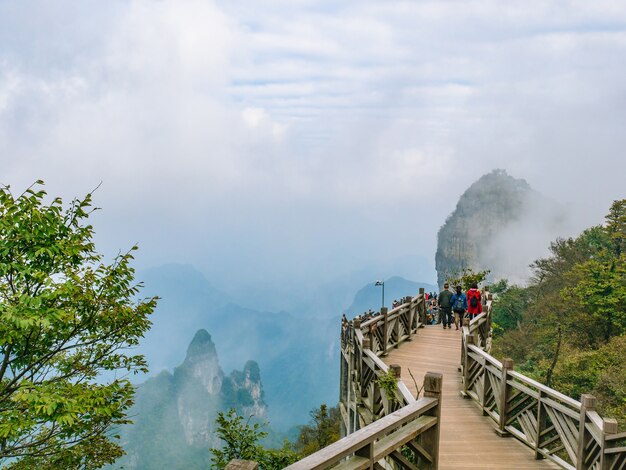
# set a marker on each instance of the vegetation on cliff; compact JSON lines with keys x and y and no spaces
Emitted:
{"x":241,"y":439}
{"x":175,"y":412}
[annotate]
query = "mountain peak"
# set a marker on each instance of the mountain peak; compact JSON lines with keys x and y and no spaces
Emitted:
{"x":201,"y":345}
{"x":499,"y":224}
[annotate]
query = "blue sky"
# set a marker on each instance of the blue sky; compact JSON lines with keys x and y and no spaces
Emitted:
{"x":294,"y":141}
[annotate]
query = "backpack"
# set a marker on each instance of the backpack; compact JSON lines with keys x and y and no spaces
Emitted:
{"x":473,"y":301}
{"x":458,"y":304}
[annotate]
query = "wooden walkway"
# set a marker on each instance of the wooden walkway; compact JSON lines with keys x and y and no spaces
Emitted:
{"x":467,"y":437}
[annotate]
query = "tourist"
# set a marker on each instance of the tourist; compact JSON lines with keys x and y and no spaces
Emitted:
{"x":474,"y":306}
{"x":445,"y":306}
{"x":459,"y":306}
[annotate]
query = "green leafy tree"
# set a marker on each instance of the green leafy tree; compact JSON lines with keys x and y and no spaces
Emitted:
{"x":509,"y":306}
{"x":616,"y":227}
{"x":65,"y":319}
{"x":324,"y":429}
{"x":241,"y":441}
{"x":571,"y":319}
{"x":600,"y":288}
{"x":466,"y":278}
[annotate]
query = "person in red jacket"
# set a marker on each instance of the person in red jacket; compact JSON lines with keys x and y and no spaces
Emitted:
{"x":474,"y":306}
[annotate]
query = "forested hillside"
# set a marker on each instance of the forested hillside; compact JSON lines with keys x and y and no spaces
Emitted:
{"x":567,"y":328}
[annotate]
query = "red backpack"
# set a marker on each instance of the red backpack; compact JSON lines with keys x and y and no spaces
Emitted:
{"x":474,"y":298}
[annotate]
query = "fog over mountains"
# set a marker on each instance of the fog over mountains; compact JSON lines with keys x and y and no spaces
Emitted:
{"x":501,"y":224}
{"x":291,"y":356}
{"x":297,"y":351}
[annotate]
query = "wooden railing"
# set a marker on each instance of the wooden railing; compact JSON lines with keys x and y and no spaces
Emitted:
{"x":566,"y":431}
{"x":408,"y":437}
{"x":379,"y":424}
{"x":362,"y":343}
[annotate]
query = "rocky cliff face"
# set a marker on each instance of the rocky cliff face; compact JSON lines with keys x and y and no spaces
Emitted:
{"x":202,"y":364}
{"x":175,"y":413}
{"x":500,"y":223}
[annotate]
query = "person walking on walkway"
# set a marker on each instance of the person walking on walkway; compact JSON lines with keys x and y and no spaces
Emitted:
{"x":459,"y":306}
{"x":445,"y":306}
{"x":474,"y":306}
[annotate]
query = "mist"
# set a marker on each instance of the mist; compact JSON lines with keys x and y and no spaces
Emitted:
{"x":517,"y":244}
{"x":284,"y":148}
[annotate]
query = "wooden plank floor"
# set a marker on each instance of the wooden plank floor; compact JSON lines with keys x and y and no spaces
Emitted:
{"x":467,"y":437}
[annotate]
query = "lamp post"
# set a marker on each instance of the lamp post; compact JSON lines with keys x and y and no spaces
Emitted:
{"x":381,"y":283}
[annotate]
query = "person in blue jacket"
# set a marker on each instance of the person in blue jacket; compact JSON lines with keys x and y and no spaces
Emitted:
{"x":459,"y":306}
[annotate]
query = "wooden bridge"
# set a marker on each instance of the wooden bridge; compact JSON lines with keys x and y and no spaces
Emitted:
{"x":472,"y":411}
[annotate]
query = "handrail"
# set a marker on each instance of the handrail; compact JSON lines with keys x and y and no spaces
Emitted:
{"x":378,"y":440}
{"x":361,"y":399}
{"x":559,"y":428}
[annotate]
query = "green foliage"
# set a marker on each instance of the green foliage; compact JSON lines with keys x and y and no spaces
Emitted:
{"x":509,"y":306}
{"x":241,"y":441}
{"x":389,"y":384}
{"x":499,"y":287}
{"x":65,"y":319}
{"x":324,"y":429}
{"x":598,"y":371}
{"x":568,"y":327}
{"x":466,"y":278}
{"x":600,"y":289}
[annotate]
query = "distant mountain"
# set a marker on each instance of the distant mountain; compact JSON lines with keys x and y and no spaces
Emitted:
{"x":299,"y":355}
{"x":370,"y":296}
{"x":174,"y":413}
{"x":298,"y":352}
{"x":500,"y":223}
{"x":330,"y":297}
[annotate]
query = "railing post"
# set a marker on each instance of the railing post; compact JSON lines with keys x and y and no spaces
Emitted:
{"x":396,"y":330}
{"x":396,"y":370}
{"x":587,"y":403}
{"x":541,"y":425}
{"x":385,"y":315}
{"x":422,"y":308}
{"x":410,"y":319}
{"x":485,"y":383}
{"x":356,"y":377}
{"x":364,"y":388}
{"x":488,"y":326}
{"x":505,"y":393}
{"x":469,"y":340}
{"x":609,"y":426}
{"x":433,"y":382}
{"x":371,"y":333}
{"x":462,"y":362}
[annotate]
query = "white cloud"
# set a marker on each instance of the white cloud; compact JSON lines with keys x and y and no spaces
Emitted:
{"x":209,"y":115}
